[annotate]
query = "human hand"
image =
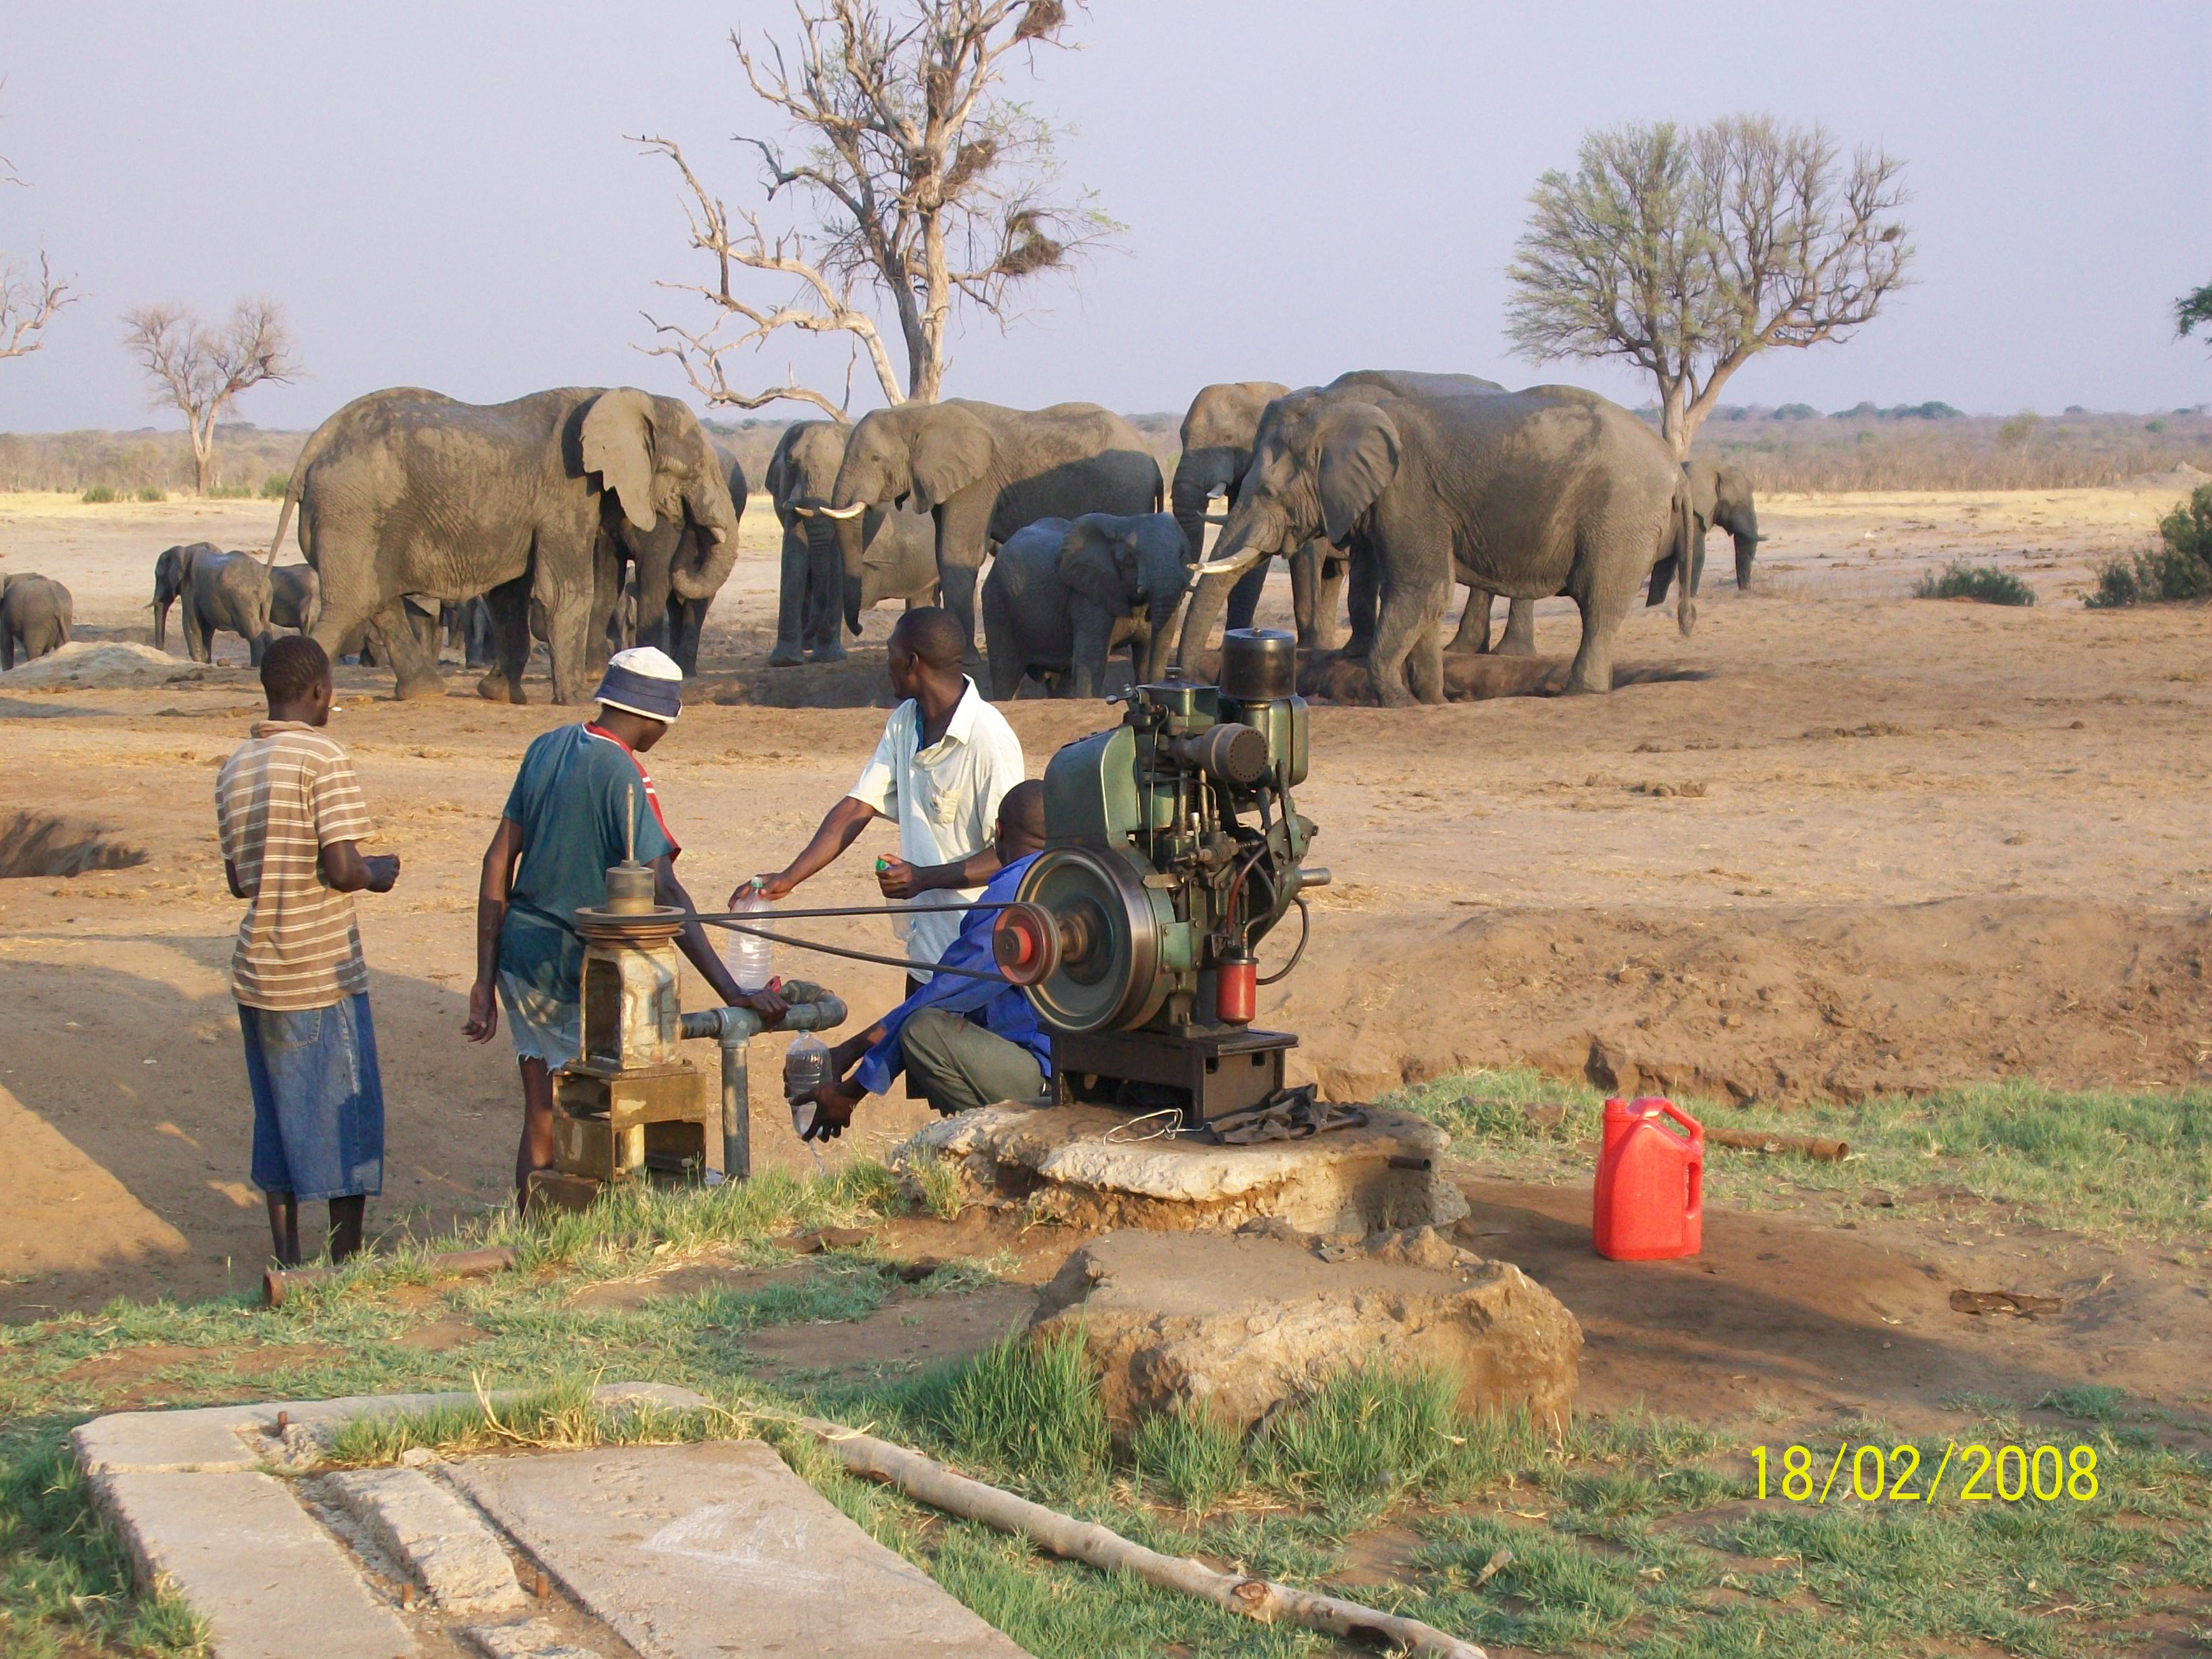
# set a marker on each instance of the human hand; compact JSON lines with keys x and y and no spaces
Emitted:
{"x":898,"y":879}
{"x":769,"y":884}
{"x":768,"y":1003}
{"x":833,"y":1110}
{"x":483,"y":1012}
{"x":383,"y":872}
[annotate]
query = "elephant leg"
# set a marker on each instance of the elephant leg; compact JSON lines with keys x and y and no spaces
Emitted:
{"x":476,"y":636}
{"x":1520,"y":639}
{"x":1244,"y":597}
{"x":1328,"y":598}
{"x":1363,"y":595}
{"x":1094,"y":641}
{"x":569,"y":627}
{"x":1425,"y":663}
{"x":1404,"y":615}
{"x":1302,"y":596}
{"x":1474,"y":636}
{"x":414,"y":665}
{"x":825,"y":594}
{"x":687,"y":624}
{"x":795,"y":599}
{"x":1592,"y":672}
{"x":506,"y":629}
{"x":7,"y":648}
{"x":963,"y":533}
{"x":199,"y":638}
{"x":1001,"y":649}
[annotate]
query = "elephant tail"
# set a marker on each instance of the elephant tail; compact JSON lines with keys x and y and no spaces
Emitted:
{"x":284,"y":517}
{"x":1685,"y":547}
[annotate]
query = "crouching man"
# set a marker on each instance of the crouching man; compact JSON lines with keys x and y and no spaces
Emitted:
{"x":961,"y":1042}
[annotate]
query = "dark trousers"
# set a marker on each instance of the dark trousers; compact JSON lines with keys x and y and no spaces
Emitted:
{"x":956,"y":1066}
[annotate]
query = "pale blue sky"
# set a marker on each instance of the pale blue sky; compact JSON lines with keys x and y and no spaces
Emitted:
{"x":441,"y":197}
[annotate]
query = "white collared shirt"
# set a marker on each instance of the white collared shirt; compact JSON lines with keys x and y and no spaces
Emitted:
{"x":946,"y":799}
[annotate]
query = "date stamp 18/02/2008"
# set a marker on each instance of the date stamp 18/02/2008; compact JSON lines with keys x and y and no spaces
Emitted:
{"x":1969,"y":1474}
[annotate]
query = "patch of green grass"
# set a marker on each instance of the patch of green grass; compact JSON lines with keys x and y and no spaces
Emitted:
{"x":1022,"y":1408}
{"x":274,"y":486}
{"x":1980,"y":583}
{"x":562,"y":1415}
{"x":97,"y":496}
{"x":2111,"y":1163}
{"x":152,"y":493}
{"x":65,"y":1577}
{"x":2158,"y":576}
{"x":937,"y":1183}
{"x":2089,"y":1400}
{"x":1190,"y":1454}
{"x":230,"y":492}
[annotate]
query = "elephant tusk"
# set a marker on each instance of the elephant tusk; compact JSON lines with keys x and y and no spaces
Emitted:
{"x":1214,"y":517}
{"x":1216,"y":567}
{"x":842,"y":513}
{"x":804,"y":512}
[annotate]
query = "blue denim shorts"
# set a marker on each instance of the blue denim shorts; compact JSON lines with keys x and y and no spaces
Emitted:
{"x":317,"y":1099}
{"x":540,"y":1026}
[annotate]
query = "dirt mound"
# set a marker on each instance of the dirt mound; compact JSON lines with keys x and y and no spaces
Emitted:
{"x":1793,"y":1002}
{"x":2180,"y":476}
{"x":92,"y":665}
{"x":1333,"y":678}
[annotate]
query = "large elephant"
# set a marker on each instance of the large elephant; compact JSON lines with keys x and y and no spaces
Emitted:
{"x":410,"y":492}
{"x":1549,"y":490}
{"x":1217,"y":431}
{"x":898,"y":549}
{"x":1720,"y":494}
{"x":215,"y":591}
{"x":1063,"y":595}
{"x":985,"y":471}
{"x":35,"y":614}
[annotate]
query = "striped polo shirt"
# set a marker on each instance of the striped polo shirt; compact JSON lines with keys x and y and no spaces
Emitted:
{"x":286,"y":793}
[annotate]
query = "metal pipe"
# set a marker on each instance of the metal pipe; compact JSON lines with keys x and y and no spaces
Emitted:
{"x":811,"y":1008}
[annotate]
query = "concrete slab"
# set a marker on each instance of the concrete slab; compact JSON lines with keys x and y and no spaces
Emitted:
{"x":526,"y":1638}
{"x":1076,"y":1164}
{"x":217,"y":1438}
{"x":244,"y":1555}
{"x":434,"y":1535}
{"x":717,"y":1550}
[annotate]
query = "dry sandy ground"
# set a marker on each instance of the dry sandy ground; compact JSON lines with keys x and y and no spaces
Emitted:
{"x":1874,"y":843}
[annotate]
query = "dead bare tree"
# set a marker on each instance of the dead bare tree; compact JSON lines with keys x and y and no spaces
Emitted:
{"x":27,"y":303}
{"x":917,"y":183}
{"x":199,"y":369}
{"x":1689,"y":253}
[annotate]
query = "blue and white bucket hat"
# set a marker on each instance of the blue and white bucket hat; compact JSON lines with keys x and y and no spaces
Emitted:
{"x":644,"y":680}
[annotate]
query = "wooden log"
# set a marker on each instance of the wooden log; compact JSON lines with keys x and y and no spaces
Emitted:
{"x":1762,"y":1141}
{"x":277,"y":1283}
{"x":931,"y":1482}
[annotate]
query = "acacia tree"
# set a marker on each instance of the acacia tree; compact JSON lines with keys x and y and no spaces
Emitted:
{"x":199,"y":369}
{"x":912,"y":180}
{"x":27,"y":303}
{"x":1689,"y":253}
{"x":2193,"y":311}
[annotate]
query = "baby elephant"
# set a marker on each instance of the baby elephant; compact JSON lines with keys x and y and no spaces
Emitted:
{"x":35,"y":613}
{"x":1063,"y":593}
{"x":217,"y":591}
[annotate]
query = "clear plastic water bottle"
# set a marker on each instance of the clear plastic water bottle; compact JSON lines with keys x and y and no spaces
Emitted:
{"x":805,"y":1068}
{"x":750,"y":958}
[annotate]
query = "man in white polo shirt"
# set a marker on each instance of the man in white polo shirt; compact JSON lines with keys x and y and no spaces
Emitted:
{"x":946,"y":760}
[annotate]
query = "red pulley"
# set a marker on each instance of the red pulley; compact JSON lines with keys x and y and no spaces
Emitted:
{"x":1025,"y":944}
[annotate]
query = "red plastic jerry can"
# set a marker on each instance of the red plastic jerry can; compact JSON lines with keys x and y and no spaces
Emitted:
{"x":1649,"y":1202}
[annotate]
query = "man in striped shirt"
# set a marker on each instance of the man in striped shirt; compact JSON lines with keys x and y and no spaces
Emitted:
{"x":291,"y":815}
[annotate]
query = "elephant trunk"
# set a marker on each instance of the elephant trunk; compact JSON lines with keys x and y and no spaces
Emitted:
{"x":1161,"y":614}
{"x":1241,"y":547}
{"x":1688,"y":540}
{"x":1746,"y":548}
{"x":852,"y":546}
{"x":826,"y":595}
{"x":160,"y":624}
{"x":1198,"y":474}
{"x":702,"y":578}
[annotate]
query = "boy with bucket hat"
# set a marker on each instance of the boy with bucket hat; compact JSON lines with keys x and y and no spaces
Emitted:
{"x":581,"y":800}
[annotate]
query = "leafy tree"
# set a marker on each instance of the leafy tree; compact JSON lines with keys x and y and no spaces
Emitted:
{"x":916,"y":178}
{"x":1689,"y":252}
{"x":2192,"y":309}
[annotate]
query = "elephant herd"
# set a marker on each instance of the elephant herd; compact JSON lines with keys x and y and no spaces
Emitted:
{"x":591,"y":517}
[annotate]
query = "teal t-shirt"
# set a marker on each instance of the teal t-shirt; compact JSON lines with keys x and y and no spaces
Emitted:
{"x":577,"y":798}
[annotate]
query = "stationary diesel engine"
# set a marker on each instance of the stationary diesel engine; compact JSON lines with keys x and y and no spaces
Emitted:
{"x":1173,"y":849}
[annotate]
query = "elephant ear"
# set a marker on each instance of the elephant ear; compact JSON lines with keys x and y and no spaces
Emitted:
{"x":1090,"y":563}
{"x":618,"y":445}
{"x":950,"y":450}
{"x":1358,"y":456}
